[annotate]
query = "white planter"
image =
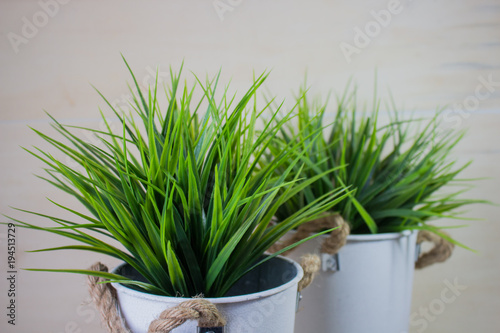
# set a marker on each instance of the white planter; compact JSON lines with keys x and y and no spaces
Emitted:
{"x":371,"y":291}
{"x":265,"y":301}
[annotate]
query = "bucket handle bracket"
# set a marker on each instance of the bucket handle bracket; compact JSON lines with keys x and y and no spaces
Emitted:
{"x":330,"y":262}
{"x":299,"y":298}
{"x":418,"y":251}
{"x":211,"y":329}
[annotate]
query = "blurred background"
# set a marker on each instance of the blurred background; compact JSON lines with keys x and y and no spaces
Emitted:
{"x":428,"y":54}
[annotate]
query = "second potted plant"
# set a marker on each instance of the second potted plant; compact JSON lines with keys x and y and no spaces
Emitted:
{"x":397,"y":172}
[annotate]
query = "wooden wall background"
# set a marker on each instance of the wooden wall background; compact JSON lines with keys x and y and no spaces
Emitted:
{"x":429,"y":53}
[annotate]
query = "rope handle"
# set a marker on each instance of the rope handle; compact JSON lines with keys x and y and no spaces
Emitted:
{"x":105,"y":300}
{"x":311,"y":263}
{"x":441,"y":251}
{"x":197,"y":308}
{"x":331,"y":245}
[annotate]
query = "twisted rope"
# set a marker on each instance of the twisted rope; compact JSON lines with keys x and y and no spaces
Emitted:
{"x":311,"y":264}
{"x":441,"y":251}
{"x":331,"y":245}
{"x":197,"y":308}
{"x":104,"y":297}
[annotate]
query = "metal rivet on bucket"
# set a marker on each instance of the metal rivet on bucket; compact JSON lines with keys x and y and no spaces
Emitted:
{"x":418,"y":251}
{"x":210,"y":329}
{"x":299,"y":298}
{"x":330,"y":262}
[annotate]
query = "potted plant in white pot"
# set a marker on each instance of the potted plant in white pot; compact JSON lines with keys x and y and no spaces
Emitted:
{"x":179,"y":190}
{"x":397,"y":172}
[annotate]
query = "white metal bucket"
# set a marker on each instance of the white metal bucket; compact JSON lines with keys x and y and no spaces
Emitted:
{"x":265,"y":301}
{"x":371,"y":291}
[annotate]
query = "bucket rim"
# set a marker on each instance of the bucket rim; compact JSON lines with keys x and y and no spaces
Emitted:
{"x":379,"y":237}
{"x":216,"y":300}
{"x":371,"y":237}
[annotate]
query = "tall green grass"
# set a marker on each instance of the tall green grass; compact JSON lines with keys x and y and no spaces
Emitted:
{"x":402,"y":173}
{"x":179,"y":188}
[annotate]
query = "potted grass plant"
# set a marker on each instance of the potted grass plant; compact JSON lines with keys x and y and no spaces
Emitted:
{"x":178,"y":188}
{"x":402,"y":175}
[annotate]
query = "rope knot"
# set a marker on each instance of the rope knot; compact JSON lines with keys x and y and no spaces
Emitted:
{"x":197,"y":308}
